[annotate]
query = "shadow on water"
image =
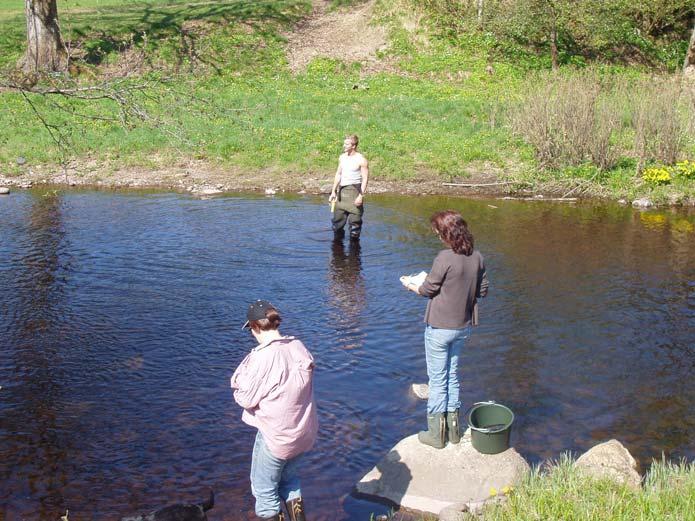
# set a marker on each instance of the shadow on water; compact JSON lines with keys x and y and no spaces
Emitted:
{"x":121,"y":327}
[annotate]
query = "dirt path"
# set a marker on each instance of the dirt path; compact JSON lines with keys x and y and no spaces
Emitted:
{"x":344,"y":34}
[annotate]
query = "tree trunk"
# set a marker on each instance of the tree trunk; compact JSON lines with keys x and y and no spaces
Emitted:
{"x":480,"y":12}
{"x":553,"y":48}
{"x":45,"y":48}
{"x":552,"y":11}
{"x":689,"y":64}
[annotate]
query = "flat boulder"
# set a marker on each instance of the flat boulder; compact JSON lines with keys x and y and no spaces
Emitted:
{"x":610,"y":460}
{"x":419,"y":477}
{"x":4,"y":190}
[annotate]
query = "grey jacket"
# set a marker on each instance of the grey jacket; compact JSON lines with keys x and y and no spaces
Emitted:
{"x":453,"y":286}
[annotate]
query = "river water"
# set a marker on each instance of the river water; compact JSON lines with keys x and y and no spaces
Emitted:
{"x":120,"y":326}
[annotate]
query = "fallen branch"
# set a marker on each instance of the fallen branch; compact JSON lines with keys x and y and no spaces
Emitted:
{"x":560,"y":199}
{"x":475,"y":185}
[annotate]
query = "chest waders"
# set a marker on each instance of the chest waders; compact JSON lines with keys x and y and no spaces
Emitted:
{"x":347,"y":212}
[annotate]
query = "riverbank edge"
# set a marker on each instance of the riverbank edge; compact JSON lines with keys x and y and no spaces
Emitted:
{"x":205,"y":178}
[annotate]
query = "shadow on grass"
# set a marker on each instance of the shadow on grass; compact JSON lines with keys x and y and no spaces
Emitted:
{"x":111,"y":29}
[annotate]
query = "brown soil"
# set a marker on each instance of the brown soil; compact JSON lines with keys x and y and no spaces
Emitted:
{"x":200,"y":177}
{"x":344,"y":34}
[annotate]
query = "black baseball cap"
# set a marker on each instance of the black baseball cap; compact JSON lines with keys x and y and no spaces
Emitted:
{"x":257,"y":311}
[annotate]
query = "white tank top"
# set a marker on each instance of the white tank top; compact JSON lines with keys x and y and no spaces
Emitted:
{"x":351,"y":171}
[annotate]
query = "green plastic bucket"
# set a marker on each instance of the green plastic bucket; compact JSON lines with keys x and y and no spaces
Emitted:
{"x":491,"y":425}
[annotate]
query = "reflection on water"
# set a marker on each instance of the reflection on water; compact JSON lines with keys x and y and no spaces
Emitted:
{"x":121,"y":314}
{"x":346,"y":286}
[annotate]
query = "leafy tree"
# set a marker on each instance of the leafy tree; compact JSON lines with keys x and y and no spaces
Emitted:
{"x":613,"y":30}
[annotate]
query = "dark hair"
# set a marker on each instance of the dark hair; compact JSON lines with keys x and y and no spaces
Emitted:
{"x":453,"y":230}
{"x":271,"y":321}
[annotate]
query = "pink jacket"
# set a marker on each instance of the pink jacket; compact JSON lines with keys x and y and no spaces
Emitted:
{"x":274,"y":386}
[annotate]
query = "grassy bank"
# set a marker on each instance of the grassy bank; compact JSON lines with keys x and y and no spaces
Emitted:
{"x":562,"y":492}
{"x":211,"y":82}
{"x":559,"y":491}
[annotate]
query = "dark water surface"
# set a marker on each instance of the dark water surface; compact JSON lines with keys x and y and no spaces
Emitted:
{"x":120,"y":317}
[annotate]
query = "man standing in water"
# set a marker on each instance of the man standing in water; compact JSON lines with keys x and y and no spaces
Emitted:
{"x":349,"y":187}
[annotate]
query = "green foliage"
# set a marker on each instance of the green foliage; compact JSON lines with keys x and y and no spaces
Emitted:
{"x":685,"y":169}
{"x":650,"y":32}
{"x":564,"y":492}
{"x":657,"y":176}
{"x":446,"y":111}
{"x":663,"y":175}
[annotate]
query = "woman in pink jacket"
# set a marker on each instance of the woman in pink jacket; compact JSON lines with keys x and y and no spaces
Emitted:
{"x":274,"y":386}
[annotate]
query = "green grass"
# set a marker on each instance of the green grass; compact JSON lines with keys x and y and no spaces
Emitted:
{"x":444,"y":115}
{"x":291,"y":124}
{"x":563,"y":493}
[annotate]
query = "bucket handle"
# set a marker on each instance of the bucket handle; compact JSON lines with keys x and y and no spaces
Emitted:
{"x":489,"y":402}
{"x":483,"y":429}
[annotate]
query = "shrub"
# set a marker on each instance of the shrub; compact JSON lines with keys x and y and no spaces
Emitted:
{"x":657,"y":176}
{"x":660,"y":120}
{"x":569,"y":121}
{"x":686,"y":169}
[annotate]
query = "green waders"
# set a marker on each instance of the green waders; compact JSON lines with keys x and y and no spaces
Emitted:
{"x":347,"y":211}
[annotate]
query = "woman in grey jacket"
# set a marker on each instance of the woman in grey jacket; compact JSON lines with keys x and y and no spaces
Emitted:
{"x":455,"y":282}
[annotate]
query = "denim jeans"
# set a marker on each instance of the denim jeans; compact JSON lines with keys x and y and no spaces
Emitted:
{"x":272,"y":479}
{"x":442,"y":348}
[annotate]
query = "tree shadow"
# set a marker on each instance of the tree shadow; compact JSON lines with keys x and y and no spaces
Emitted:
{"x":112,"y":29}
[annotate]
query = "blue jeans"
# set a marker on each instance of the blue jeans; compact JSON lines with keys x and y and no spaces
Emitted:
{"x":442,"y":348}
{"x":272,"y":478}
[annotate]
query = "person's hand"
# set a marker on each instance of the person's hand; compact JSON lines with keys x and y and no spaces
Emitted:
{"x":410,"y":286}
{"x":413,"y":287}
{"x":332,"y":197}
{"x":358,"y":200}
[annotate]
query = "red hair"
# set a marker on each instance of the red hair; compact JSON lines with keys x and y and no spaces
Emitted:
{"x":453,"y":230}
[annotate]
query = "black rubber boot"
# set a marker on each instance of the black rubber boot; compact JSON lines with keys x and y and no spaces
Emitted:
{"x":453,"y":431}
{"x":295,"y":509}
{"x":435,"y":434}
{"x":355,"y":230}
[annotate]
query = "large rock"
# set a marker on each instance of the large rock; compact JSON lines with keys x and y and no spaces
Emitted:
{"x":610,"y":460}
{"x":4,"y":190}
{"x":642,"y":203}
{"x":422,"y":478}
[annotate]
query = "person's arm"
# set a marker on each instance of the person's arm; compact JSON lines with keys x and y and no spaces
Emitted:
{"x":248,"y":383}
{"x":483,"y":283}
{"x":435,"y":278}
{"x":336,"y":182}
{"x":364,"y":167}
